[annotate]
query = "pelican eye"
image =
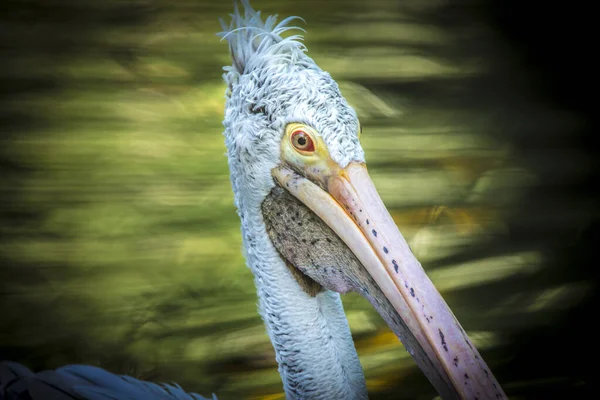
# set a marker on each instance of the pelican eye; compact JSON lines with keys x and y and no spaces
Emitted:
{"x":302,"y":141}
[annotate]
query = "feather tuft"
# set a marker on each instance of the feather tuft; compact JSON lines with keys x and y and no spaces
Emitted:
{"x":251,"y":38}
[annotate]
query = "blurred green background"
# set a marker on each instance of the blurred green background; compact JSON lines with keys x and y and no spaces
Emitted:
{"x":120,"y":245}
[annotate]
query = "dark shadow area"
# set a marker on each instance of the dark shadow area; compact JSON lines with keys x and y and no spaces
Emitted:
{"x":536,"y":90}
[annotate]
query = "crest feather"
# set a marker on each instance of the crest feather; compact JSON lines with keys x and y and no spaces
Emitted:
{"x":251,"y":39}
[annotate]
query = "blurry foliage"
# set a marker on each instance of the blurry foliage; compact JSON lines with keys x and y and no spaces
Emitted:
{"x":119,"y":241}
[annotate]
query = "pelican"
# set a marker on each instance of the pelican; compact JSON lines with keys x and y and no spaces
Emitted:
{"x":313,"y":227}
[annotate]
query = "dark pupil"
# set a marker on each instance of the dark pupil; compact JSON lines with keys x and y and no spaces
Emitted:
{"x":301,"y":140}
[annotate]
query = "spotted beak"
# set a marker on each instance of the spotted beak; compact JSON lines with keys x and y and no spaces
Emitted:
{"x":346,"y":200}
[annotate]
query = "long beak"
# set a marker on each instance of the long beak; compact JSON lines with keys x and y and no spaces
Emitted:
{"x":350,"y":205}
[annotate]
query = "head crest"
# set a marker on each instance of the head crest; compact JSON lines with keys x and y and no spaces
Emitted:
{"x":251,"y":40}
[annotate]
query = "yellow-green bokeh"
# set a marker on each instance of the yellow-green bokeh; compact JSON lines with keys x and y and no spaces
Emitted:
{"x":121,"y":244}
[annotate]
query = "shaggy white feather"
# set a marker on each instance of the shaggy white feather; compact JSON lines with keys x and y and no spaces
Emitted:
{"x":271,"y":83}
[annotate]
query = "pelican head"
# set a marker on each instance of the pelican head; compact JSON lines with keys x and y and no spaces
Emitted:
{"x":314,"y":226}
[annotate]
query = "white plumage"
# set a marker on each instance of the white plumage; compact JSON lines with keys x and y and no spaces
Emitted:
{"x":271,"y":83}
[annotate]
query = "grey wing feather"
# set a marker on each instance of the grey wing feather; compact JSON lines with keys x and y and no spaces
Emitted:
{"x":82,"y":382}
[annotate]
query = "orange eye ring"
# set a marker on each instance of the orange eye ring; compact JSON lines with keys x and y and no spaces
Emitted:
{"x":302,"y":141}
